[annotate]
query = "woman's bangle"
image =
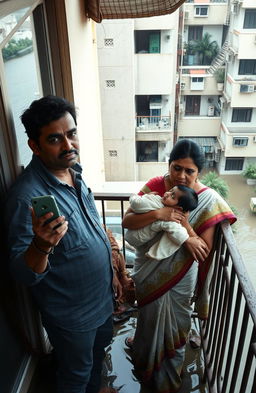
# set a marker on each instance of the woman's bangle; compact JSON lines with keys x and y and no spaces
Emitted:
{"x":40,"y":250}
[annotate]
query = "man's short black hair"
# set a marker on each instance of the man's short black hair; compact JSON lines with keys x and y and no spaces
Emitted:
{"x":189,"y":200}
{"x":43,"y":111}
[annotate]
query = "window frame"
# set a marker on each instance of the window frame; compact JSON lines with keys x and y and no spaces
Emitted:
{"x":247,"y":67}
{"x":249,"y":16}
{"x":241,"y":115}
{"x":234,"y":161}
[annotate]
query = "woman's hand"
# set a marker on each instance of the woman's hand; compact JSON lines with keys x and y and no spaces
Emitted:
{"x":170,"y":214}
{"x":197,"y":248}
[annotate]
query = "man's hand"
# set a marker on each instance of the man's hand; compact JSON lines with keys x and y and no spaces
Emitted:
{"x":48,"y":235}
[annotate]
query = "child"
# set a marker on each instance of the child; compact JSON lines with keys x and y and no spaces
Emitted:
{"x":174,"y":234}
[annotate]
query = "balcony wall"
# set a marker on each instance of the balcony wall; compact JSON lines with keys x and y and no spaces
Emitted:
{"x":199,"y":126}
{"x":244,"y":43}
{"x":238,"y":99}
{"x":247,"y":3}
{"x":147,"y":170}
{"x":210,"y":86}
{"x":150,"y":70}
{"x":216,"y":14}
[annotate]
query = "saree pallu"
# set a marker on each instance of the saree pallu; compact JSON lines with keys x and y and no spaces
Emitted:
{"x":164,"y":290}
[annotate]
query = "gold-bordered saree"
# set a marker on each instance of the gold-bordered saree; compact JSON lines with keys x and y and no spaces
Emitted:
{"x":164,"y":290}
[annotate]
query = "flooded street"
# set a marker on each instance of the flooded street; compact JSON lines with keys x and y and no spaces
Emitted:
{"x":245,"y":235}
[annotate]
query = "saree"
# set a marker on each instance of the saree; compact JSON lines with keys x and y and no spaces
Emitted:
{"x":164,"y":292}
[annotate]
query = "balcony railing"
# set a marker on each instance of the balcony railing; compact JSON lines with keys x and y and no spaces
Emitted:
{"x":229,"y":334}
{"x":153,"y":122}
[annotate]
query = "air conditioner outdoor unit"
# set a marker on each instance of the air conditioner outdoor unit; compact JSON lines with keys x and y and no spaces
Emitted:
{"x":186,"y":15}
{"x":246,"y":88}
{"x":182,"y":86}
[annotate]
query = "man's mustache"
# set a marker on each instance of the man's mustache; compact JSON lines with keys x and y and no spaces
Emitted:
{"x":65,"y":152}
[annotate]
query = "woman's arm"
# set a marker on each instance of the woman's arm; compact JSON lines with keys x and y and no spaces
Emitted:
{"x":132,"y":220}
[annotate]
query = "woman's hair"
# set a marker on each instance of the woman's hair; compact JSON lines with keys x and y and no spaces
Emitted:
{"x":43,"y":111}
{"x":189,"y":200}
{"x":186,"y":148}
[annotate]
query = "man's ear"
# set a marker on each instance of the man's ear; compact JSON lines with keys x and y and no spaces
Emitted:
{"x":34,"y":146}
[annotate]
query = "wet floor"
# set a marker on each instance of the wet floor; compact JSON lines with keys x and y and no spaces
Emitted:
{"x":245,"y":233}
{"x":118,"y":368}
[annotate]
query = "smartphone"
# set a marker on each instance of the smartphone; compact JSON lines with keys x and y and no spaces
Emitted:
{"x":45,"y":204}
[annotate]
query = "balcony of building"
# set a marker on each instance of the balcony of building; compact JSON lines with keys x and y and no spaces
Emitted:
{"x":240,"y":91}
{"x":243,"y":43}
{"x":205,"y":12}
{"x":225,"y":361}
{"x":240,"y":140}
{"x":196,"y":80}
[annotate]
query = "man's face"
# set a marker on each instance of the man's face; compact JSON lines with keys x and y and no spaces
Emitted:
{"x":58,"y":145}
{"x":171,"y":198}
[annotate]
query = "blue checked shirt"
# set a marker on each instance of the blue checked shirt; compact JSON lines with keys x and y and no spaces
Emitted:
{"x":75,"y":291}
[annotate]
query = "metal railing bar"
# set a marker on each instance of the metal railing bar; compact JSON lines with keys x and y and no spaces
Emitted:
{"x":232,"y":338}
{"x":247,"y":367}
{"x":242,"y":274}
{"x":239,"y":352}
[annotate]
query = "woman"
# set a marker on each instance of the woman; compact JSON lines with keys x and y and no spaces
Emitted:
{"x":165,"y":289}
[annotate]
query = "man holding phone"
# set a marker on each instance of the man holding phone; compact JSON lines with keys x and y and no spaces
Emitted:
{"x":66,"y":261}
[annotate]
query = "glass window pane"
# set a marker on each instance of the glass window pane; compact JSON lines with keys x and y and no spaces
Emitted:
{"x":8,"y":22}
{"x":23,"y":86}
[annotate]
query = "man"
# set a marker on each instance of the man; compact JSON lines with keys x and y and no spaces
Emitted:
{"x":65,"y":262}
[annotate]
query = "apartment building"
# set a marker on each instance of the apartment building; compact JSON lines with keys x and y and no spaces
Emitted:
{"x":203,"y":33}
{"x":238,"y":126}
{"x":137,"y":73}
{"x":220,"y":117}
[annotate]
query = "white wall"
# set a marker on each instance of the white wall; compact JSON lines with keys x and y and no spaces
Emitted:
{"x":86,"y":91}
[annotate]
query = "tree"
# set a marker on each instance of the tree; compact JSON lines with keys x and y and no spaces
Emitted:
{"x":206,"y":49}
{"x":212,"y":180}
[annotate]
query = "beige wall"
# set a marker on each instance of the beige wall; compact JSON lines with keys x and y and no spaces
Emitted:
{"x":86,"y":91}
{"x":210,"y":86}
{"x":246,"y":151}
{"x":242,"y":100}
{"x":244,"y":43}
{"x":200,"y":126}
{"x":216,"y":14}
{"x":147,"y":170}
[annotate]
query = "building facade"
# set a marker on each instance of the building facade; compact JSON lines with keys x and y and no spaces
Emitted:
{"x":137,"y":73}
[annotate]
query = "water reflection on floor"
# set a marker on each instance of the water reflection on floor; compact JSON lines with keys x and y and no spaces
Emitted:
{"x":118,"y":368}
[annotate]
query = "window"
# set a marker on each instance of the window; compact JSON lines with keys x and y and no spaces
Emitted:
{"x":197,"y":83}
{"x":109,"y":42}
{"x":240,"y":141}
{"x":250,"y":19}
{"x":234,"y":164}
{"x":247,"y":67}
{"x":201,"y":11}
{"x":147,"y":41}
{"x":195,"y":33}
{"x":147,"y":151}
{"x":110,"y":83}
{"x":243,"y":115}
{"x":193,"y":105}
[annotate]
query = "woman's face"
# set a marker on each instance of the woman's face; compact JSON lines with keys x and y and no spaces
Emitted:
{"x":184,"y":172}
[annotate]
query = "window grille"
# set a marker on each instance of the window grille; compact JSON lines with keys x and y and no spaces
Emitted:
{"x":110,"y":83}
{"x":109,"y":42}
{"x":112,"y":153}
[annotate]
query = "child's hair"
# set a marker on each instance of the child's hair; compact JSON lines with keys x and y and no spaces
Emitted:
{"x":189,"y":200}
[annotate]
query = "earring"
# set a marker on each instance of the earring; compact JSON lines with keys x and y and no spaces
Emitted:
{"x":196,"y":180}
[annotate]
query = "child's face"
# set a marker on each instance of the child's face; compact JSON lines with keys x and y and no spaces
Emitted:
{"x":171,"y":198}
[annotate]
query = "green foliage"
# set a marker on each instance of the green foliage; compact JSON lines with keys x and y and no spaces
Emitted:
{"x":212,"y":180}
{"x":206,"y":49}
{"x":13,"y":47}
{"x":219,"y":75}
{"x":250,"y":171}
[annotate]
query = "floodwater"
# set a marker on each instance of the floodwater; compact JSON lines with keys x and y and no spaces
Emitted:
{"x":245,"y":228}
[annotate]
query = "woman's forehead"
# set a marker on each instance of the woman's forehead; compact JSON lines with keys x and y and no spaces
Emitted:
{"x":184,"y":162}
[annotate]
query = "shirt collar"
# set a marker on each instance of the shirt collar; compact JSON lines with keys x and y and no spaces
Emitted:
{"x":37,"y":164}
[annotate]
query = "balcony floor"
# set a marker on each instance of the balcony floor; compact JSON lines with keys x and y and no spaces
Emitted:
{"x":118,"y":369}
